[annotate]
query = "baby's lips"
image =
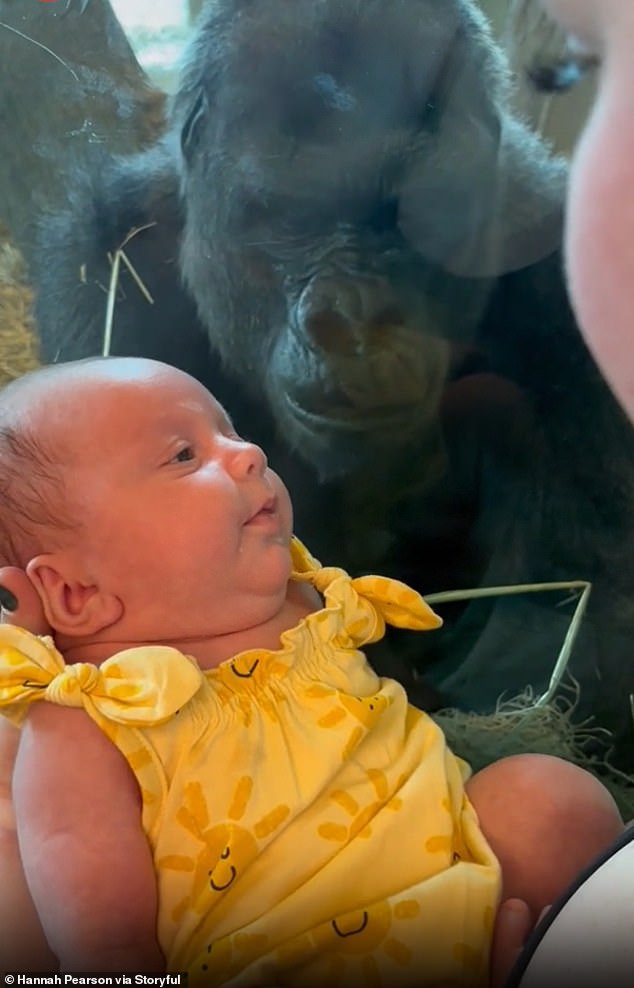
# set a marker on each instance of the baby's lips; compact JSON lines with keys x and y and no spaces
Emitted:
{"x":268,"y":506}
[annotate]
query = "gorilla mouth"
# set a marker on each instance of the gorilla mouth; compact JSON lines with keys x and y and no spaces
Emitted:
{"x":343,"y":418}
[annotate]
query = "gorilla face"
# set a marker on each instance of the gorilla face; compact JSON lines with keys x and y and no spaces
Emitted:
{"x":346,"y":193}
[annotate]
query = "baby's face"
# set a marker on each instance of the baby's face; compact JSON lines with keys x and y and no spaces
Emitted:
{"x":179,"y":517}
{"x":600,"y":213}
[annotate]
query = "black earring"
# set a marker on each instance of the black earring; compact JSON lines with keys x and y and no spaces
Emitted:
{"x":8,"y":601}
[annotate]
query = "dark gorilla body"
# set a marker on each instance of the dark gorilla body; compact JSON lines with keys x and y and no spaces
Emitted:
{"x":353,"y":184}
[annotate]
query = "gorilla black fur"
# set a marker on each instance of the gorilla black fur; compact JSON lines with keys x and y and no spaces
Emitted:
{"x":370,"y":238}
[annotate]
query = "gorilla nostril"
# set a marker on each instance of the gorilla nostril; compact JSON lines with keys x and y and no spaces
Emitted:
{"x":339,"y":315}
{"x":331,"y":332}
{"x":337,"y":295}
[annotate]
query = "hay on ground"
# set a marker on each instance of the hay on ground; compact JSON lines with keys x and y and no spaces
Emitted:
{"x":518,"y":725}
{"x":18,"y":342}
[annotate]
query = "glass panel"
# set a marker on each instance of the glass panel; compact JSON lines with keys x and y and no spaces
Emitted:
{"x":347,"y":221}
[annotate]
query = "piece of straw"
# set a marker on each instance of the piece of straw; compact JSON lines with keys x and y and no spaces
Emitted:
{"x":563,"y":658}
{"x":116,"y":259}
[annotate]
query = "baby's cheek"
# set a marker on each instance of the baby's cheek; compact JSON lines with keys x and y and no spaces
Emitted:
{"x":600,"y":240}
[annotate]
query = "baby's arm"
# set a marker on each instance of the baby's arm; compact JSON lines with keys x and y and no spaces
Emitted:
{"x":87,"y":860}
{"x":23,"y":946}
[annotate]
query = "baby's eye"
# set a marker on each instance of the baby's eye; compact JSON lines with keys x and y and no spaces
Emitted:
{"x":184,"y":455}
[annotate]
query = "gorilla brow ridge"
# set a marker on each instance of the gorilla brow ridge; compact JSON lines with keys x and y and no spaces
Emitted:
{"x":30,"y":480}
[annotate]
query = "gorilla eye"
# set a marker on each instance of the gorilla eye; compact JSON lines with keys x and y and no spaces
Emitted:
{"x":191,"y":127}
{"x":384,"y":216}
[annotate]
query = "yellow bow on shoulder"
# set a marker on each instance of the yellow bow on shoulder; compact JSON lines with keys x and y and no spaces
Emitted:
{"x":137,"y":687}
{"x":397,"y":603}
{"x":370,"y":601}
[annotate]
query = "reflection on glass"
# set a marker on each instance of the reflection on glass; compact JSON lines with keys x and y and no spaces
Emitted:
{"x":352,"y":235}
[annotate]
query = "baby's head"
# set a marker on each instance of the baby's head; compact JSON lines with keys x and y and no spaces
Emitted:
{"x":600,"y":208}
{"x":136,"y":510}
{"x":32,"y":492}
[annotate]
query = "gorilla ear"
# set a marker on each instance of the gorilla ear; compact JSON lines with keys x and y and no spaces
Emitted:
{"x":485,"y":196}
{"x":190,"y":131}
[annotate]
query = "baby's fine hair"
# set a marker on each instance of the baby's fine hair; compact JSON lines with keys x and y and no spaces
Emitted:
{"x":31,"y":479}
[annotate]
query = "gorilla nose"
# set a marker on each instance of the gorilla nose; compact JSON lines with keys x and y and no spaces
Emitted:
{"x":338,"y":315}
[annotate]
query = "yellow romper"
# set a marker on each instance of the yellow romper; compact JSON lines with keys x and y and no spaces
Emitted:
{"x":308,"y":826}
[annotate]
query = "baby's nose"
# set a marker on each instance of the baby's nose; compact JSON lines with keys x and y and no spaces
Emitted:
{"x":246,"y":458}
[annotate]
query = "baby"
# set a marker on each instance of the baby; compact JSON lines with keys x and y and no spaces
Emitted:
{"x":212,"y":778}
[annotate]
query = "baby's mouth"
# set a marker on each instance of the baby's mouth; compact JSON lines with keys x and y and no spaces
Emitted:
{"x":266,"y":511}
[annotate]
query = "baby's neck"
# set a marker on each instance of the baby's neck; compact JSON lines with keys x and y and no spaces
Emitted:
{"x":300,"y":601}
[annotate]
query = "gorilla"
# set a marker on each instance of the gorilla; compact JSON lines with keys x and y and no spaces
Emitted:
{"x":348,"y":235}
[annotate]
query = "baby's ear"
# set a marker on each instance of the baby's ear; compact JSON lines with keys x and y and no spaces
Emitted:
{"x":72,"y":607}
